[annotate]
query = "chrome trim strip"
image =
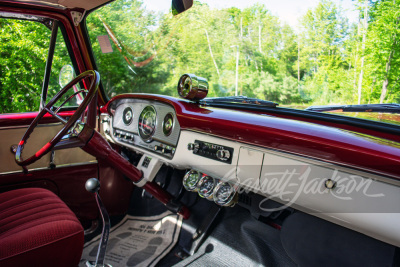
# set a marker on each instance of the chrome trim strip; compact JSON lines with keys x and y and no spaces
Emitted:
{"x":47,"y":168}
{"x":26,"y":126}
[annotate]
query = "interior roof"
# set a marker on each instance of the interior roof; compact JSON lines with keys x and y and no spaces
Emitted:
{"x":85,"y":4}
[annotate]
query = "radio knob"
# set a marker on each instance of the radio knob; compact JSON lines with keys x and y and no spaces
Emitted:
{"x":223,"y":154}
{"x":166,"y":151}
{"x":190,"y":146}
{"x":193,"y":146}
{"x":158,"y":148}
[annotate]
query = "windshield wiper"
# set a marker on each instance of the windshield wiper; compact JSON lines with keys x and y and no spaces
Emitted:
{"x":238,"y":99}
{"x":386,"y":108}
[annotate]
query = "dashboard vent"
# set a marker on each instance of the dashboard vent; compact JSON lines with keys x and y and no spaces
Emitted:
{"x":244,"y":199}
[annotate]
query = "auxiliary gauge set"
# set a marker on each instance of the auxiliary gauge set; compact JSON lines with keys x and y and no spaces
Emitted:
{"x":223,"y":193}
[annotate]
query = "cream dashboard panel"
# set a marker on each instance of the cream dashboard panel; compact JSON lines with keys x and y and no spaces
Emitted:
{"x":357,"y":200}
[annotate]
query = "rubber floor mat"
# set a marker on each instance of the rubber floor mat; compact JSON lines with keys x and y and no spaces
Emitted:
{"x":240,"y":240}
{"x":138,"y":241}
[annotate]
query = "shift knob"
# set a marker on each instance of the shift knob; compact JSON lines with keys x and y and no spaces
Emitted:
{"x":92,"y":185}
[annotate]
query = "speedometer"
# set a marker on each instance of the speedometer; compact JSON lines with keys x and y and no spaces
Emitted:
{"x":147,"y":123}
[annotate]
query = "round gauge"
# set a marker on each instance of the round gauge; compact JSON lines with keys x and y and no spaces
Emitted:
{"x":192,"y":87}
{"x":127,"y":115}
{"x":147,"y":123}
{"x":191,"y":179}
{"x":224,"y":194}
{"x":168,"y":124}
{"x":206,"y":186}
{"x":184,"y":86}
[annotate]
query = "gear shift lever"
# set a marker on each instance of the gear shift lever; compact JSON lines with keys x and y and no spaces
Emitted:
{"x":92,"y":186}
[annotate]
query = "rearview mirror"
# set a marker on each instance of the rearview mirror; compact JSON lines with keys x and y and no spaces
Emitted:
{"x":66,"y":75}
{"x":178,"y":6}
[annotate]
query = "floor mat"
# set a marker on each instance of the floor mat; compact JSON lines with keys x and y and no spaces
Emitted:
{"x":138,"y":241}
{"x":240,"y":240}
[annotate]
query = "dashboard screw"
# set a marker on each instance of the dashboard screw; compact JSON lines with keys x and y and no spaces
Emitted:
{"x":330,"y":184}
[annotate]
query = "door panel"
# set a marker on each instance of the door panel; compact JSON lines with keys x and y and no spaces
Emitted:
{"x":66,"y":182}
{"x":41,"y":135}
{"x":67,"y":179}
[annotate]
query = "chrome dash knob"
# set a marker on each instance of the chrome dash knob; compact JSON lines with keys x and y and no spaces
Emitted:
{"x":223,"y":154}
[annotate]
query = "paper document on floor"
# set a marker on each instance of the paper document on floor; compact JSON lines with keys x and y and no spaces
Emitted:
{"x":138,"y":241}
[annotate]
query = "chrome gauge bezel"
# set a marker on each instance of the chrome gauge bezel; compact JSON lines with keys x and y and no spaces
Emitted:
{"x":229,"y":200}
{"x":147,"y":137}
{"x":124,"y":119}
{"x":187,"y":182}
{"x":206,"y":192}
{"x":166,"y":133}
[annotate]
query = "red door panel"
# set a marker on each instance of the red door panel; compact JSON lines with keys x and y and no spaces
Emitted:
{"x":67,"y":179}
{"x":67,"y":182}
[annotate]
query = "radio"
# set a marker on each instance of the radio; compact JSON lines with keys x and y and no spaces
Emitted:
{"x":211,"y":151}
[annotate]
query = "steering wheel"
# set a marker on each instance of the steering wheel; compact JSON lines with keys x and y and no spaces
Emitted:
{"x":68,"y":124}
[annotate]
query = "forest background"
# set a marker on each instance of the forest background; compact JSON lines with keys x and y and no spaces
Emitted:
{"x":326,"y":60}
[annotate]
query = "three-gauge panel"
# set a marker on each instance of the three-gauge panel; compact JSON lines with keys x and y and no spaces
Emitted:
{"x":148,"y":124}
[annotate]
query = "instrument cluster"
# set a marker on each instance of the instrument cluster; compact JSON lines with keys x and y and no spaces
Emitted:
{"x":147,"y":124}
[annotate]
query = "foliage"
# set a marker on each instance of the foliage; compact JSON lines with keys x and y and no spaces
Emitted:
{"x":383,"y":51}
{"x":24,"y":48}
{"x":201,"y":41}
{"x":319,"y":63}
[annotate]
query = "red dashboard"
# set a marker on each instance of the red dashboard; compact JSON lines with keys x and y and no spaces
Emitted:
{"x":329,"y":144}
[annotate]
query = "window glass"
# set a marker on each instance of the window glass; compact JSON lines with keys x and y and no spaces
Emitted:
{"x":297,"y":54}
{"x":24,"y":47}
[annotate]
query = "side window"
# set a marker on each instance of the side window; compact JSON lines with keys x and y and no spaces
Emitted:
{"x":61,"y":60}
{"x":24,"y":47}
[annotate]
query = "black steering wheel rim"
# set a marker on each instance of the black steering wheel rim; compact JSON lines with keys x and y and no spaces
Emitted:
{"x":93,"y":87}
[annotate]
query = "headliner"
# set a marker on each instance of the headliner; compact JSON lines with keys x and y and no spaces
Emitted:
{"x":85,"y":4}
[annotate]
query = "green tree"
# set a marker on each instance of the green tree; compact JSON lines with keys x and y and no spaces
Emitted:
{"x":24,"y":49}
{"x":23,"y":53}
{"x":383,"y":52}
{"x":325,"y":30}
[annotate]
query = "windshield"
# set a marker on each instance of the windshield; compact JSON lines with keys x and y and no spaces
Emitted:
{"x":294,"y":53}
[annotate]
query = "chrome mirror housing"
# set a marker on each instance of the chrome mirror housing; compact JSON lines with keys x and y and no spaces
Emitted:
{"x":192,"y":87}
